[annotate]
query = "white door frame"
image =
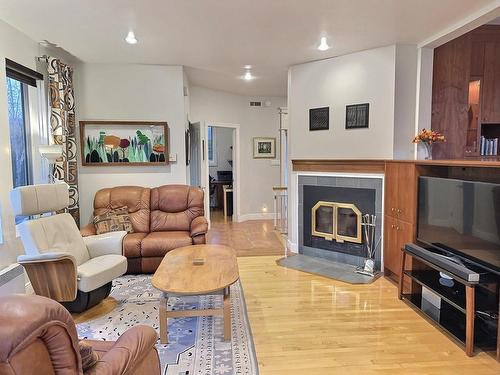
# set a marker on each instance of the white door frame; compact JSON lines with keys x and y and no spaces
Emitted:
{"x":236,"y":166}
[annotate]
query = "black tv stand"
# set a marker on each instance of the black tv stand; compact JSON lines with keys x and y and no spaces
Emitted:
{"x":468,"y":309}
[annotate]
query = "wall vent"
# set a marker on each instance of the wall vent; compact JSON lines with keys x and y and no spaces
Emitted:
{"x":255,"y":104}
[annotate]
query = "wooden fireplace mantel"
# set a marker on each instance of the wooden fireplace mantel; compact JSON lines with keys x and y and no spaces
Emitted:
{"x":378,"y":165}
{"x":339,"y":165}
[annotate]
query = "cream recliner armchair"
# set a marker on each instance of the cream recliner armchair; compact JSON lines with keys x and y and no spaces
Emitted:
{"x":60,"y":263}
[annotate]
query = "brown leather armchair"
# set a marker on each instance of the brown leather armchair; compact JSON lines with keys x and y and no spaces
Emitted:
{"x":38,"y":336}
{"x":163,"y":218}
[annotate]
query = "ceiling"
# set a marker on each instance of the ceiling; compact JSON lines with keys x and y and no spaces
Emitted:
{"x":216,"y":38}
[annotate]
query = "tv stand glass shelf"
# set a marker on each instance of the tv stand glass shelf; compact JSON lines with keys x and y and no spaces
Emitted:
{"x":467,"y":311}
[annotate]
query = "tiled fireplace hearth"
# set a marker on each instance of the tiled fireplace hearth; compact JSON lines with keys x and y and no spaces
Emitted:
{"x":330,"y":210}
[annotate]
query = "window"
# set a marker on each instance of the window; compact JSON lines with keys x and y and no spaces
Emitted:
{"x":212,"y":149}
{"x":19,"y":145}
{"x":19,"y":78}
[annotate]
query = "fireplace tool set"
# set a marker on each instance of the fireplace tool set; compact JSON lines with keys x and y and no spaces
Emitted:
{"x":369,"y":224}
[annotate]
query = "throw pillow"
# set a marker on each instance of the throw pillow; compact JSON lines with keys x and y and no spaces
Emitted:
{"x":113,"y":220}
{"x":89,"y":357}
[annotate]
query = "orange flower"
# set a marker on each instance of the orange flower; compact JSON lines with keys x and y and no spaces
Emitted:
{"x":429,"y":136}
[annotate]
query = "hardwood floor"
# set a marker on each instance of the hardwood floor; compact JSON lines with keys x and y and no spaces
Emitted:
{"x":249,"y":238}
{"x":307,"y":324}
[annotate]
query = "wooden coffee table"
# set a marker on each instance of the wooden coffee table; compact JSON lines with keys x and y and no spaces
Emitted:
{"x":196,"y":270}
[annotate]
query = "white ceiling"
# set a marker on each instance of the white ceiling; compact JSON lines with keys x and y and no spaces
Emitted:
{"x":216,"y":38}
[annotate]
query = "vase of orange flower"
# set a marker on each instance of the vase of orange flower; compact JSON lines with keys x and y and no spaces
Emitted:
{"x":427,"y":138}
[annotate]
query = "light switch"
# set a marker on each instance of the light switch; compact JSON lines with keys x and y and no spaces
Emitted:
{"x":172,"y":157}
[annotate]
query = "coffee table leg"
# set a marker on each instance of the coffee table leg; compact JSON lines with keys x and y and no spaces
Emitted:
{"x":163,"y":319}
{"x":227,"y":314}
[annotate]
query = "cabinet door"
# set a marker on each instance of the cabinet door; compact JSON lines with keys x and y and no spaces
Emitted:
{"x":491,"y":84}
{"x":407,"y":188}
{"x":391,"y":249}
{"x":391,"y":189}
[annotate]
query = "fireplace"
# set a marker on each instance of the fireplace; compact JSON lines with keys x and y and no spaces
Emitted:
{"x":330,"y":212}
{"x":336,"y":221}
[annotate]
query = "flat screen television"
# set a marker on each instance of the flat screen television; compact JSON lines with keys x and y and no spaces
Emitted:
{"x":460,"y":218}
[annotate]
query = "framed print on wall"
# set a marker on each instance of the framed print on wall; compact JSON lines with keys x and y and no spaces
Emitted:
{"x":319,"y":118}
{"x":357,"y":116}
{"x":264,"y":148}
{"x":122,"y":143}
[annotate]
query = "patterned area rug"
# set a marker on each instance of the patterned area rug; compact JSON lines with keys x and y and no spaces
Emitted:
{"x":196,"y":345}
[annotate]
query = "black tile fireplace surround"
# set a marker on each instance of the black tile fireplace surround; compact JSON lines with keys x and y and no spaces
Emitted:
{"x":366,"y":192}
{"x":363,"y":199}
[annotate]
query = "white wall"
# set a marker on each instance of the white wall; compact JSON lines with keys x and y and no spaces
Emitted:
{"x":405,"y":101}
{"x":385,"y":77}
{"x":257,"y":176}
{"x":18,"y":47}
{"x":423,"y":116}
{"x":363,"y":77}
{"x":131,"y":92}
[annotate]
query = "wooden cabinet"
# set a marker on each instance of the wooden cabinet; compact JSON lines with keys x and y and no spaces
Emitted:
{"x":400,"y":212}
{"x":490,"y":111}
{"x":400,"y":191}
{"x":397,"y":233}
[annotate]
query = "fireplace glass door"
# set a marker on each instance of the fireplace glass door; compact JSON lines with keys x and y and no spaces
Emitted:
{"x":323,"y":220}
{"x":336,"y":221}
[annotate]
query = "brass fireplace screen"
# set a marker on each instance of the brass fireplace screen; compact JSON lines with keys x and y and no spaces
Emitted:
{"x":336,"y":221}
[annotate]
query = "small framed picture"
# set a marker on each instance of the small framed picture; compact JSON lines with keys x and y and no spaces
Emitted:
{"x":357,"y":116}
{"x":319,"y":118}
{"x":264,"y":148}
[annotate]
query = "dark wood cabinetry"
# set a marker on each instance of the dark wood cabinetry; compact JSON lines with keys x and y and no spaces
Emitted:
{"x":400,"y":212}
{"x":466,"y":92}
{"x":397,"y":233}
{"x":490,"y":109}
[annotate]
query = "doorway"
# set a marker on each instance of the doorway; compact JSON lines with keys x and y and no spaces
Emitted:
{"x":214,"y":166}
{"x":221,"y":170}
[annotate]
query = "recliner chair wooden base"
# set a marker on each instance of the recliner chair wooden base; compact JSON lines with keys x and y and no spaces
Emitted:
{"x":86,"y":300}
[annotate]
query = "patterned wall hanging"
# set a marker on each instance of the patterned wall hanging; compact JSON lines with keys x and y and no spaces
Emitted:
{"x":62,"y":125}
{"x":357,"y":116}
{"x":319,"y":118}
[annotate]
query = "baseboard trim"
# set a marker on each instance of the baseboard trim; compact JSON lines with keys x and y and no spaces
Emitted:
{"x":292,"y":246}
{"x":256,"y":216}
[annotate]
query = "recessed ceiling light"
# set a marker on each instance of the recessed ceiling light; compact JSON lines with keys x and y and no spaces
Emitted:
{"x":248,"y":66}
{"x":131,"y":39}
{"x":323,"y":45}
{"x":248,"y":76}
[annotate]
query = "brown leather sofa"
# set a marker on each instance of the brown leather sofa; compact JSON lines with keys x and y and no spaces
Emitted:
{"x":38,"y":336}
{"x":163,"y":218}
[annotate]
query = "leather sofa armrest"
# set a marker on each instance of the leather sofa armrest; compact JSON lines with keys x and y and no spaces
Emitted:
{"x":199,"y":226}
{"x":128,"y":352}
{"x":52,"y":275}
{"x":88,"y":230}
{"x":106,"y":243}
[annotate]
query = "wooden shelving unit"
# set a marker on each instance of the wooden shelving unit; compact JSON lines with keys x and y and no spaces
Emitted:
{"x":464,"y":306}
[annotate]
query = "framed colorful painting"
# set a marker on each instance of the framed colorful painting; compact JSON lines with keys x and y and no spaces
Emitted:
{"x":122,"y":143}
